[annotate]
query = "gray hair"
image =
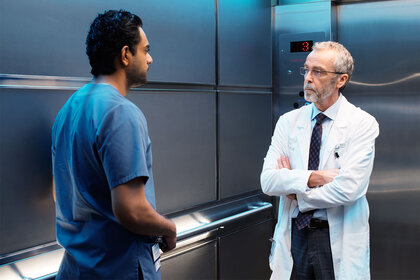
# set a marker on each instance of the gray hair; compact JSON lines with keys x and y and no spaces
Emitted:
{"x":343,"y":62}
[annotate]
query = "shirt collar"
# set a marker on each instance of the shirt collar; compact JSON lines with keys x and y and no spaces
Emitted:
{"x":331,"y":112}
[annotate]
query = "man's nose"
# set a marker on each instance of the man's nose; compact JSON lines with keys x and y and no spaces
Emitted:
{"x":308,"y":77}
{"x":149,"y":59}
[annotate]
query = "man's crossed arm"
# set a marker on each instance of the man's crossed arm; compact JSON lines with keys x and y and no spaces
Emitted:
{"x":316,"y":179}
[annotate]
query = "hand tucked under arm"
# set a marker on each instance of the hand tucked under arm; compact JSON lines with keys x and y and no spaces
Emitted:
{"x":317,"y":177}
{"x":322,"y":177}
{"x":284,"y":162}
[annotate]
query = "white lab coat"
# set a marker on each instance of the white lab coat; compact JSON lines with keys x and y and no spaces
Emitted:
{"x":352,"y":138}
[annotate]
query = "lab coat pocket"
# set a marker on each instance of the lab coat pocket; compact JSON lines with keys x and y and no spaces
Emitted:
{"x":356,"y":255}
{"x":335,"y":157}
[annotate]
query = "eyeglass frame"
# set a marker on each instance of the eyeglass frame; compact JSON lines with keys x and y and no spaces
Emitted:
{"x":304,"y":71}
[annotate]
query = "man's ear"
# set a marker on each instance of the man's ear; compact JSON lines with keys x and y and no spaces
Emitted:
{"x":342,"y":80}
{"x":125,"y":56}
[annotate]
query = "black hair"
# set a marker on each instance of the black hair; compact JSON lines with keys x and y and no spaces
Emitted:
{"x":108,"y":34}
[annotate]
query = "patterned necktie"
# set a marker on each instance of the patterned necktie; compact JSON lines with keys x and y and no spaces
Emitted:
{"x":303,"y":219}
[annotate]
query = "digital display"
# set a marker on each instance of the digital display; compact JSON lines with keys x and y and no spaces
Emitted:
{"x":301,"y":46}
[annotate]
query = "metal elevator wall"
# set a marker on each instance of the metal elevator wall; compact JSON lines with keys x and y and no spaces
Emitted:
{"x":384,"y":39}
{"x":208,"y":110}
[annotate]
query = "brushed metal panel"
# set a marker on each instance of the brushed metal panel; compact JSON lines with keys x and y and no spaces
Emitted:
{"x":244,"y":254}
{"x":244,"y":136}
{"x":383,"y":38}
{"x":394,"y":191}
{"x":303,"y":18}
{"x":395,"y":249}
{"x":182,"y":127}
{"x":27,"y":211}
{"x":182,"y":35}
{"x":48,"y":37}
{"x":196,"y":263}
{"x":245,"y":42}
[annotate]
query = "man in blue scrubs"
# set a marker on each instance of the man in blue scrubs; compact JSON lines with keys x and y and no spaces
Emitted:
{"x":102,"y":163}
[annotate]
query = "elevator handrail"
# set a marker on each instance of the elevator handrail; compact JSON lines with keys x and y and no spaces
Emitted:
{"x":216,"y":224}
{"x":203,"y":228}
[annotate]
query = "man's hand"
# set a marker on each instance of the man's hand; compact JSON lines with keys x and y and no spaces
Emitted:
{"x":284,"y":162}
{"x":169,"y":241}
{"x":135,"y":213}
{"x":322,"y":177}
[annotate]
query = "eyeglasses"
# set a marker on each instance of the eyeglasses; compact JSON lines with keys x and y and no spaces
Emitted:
{"x":315,"y":72}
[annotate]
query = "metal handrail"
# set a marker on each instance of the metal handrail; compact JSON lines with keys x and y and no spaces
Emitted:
{"x":253,"y":209}
{"x":209,"y":226}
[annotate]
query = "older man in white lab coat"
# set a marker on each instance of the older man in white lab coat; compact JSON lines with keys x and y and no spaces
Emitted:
{"x":322,"y":230}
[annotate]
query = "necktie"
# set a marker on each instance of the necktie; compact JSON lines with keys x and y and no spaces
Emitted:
{"x":303,"y":219}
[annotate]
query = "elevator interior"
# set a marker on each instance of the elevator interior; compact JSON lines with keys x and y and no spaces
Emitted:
{"x":223,"y":73}
{"x":208,"y":147}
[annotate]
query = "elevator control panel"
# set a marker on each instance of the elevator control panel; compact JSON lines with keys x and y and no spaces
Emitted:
{"x":292,"y":52}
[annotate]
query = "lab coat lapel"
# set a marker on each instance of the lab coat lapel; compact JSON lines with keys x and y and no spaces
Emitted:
{"x":336,"y":137}
{"x":304,"y":135}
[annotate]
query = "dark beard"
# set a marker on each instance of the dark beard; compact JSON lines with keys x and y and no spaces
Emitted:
{"x":136,"y":79}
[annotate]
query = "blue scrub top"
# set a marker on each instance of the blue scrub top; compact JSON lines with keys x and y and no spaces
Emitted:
{"x":99,"y":141}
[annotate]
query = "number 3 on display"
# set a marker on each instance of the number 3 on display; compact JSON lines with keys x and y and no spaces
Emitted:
{"x":305,"y":46}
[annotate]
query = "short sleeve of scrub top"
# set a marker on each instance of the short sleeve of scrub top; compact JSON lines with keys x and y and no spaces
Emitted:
{"x":122,"y":142}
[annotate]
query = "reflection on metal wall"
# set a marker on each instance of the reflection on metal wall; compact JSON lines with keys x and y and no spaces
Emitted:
{"x":198,"y":53}
{"x":182,"y":127}
{"x":26,"y":117}
{"x":48,"y":37}
{"x":244,"y":135}
{"x":384,"y":39}
{"x":244,"y":33}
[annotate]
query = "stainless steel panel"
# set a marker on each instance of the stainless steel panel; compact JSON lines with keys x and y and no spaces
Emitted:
{"x":394,"y":191}
{"x":197,"y":263}
{"x":245,"y":42}
{"x":244,"y":135}
{"x":27,"y":216}
{"x":384,"y":40}
{"x":48,"y":37}
{"x":303,"y":18}
{"x":244,"y":254}
{"x":182,"y":35}
{"x":182,"y":127}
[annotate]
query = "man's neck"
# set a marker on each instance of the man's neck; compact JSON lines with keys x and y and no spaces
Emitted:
{"x":117,"y":80}
{"x":325,"y":104}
